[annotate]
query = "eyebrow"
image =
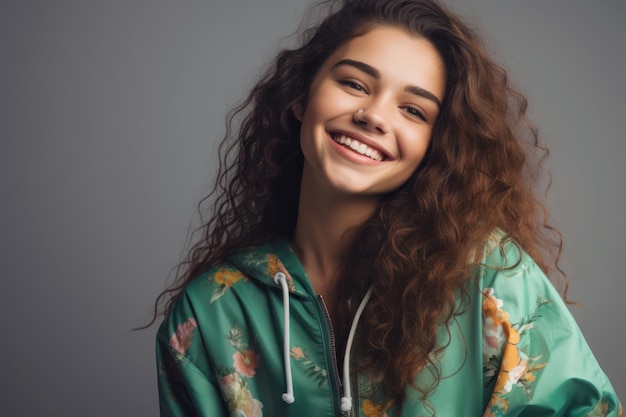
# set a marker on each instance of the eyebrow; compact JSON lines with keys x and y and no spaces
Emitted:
{"x":373,"y":72}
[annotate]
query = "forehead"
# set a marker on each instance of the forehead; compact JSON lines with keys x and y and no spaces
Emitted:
{"x":399,"y":56}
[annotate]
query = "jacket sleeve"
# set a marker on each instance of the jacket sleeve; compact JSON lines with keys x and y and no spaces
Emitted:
{"x":188,"y":384}
{"x":184,"y":391}
{"x":536,"y":360}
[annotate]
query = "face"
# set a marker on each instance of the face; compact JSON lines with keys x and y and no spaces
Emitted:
{"x":368,"y":119}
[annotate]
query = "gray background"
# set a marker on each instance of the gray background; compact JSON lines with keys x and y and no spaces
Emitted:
{"x":109,"y":115}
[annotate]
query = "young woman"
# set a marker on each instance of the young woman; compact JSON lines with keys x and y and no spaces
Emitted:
{"x":375,"y":247}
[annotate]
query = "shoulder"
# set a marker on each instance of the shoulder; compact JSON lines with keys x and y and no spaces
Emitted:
{"x":534,"y":355}
{"x":214,"y":284}
{"x":198,"y":300}
{"x":503,"y":263}
{"x":515,"y":289}
{"x":201,"y":310}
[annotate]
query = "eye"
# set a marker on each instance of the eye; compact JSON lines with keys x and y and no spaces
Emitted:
{"x":417,"y":112}
{"x":355,"y":85}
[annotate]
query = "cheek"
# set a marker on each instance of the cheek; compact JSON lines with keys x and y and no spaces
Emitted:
{"x":415,"y":147}
{"x":319,"y":110}
{"x":307,"y":145}
{"x":312,"y":115}
{"x":327,"y":101}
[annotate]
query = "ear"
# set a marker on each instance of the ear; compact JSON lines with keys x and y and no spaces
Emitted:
{"x":298,"y":111}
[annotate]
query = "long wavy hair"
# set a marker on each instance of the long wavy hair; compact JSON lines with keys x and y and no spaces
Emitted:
{"x":478,"y":175}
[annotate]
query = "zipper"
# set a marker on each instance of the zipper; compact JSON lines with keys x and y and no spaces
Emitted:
{"x":333,"y":347}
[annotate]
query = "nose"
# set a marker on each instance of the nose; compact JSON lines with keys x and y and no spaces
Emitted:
{"x":372,"y":118}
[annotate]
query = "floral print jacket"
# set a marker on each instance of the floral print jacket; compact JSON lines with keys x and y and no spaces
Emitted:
{"x":516,"y":351}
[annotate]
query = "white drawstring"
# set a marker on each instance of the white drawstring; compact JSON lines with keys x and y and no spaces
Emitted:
{"x":287,"y":397}
{"x":346,"y":400}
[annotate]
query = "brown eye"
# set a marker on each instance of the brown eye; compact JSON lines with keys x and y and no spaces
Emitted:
{"x":353,"y":85}
{"x":415,"y":111}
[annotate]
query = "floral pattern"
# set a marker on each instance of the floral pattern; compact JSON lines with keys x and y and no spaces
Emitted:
{"x":181,"y":340}
{"x":245,"y":362}
{"x":602,"y":409}
{"x":503,"y":355}
{"x":245,"y":359}
{"x":314,"y":371}
{"x":234,"y":380}
{"x":225,"y":278}
{"x":373,"y":410}
{"x":274,"y":265}
{"x":235,"y":365}
{"x":238,"y":397}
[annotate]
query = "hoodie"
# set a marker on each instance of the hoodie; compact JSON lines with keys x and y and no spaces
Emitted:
{"x":250,"y":338}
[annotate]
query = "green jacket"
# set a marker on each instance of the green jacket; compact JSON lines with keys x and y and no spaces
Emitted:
{"x":516,"y":350}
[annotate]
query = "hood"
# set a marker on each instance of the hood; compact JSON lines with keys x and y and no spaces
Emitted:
{"x":263,"y":262}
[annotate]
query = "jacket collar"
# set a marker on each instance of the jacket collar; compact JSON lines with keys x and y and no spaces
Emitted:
{"x":263,"y":262}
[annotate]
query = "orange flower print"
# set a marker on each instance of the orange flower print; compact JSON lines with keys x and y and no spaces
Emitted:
{"x":373,"y":410}
{"x":245,"y":362}
{"x":274,"y":265}
{"x":297,"y":353}
{"x":514,"y":367}
{"x":313,"y":370}
{"x":227,"y":278}
{"x":181,"y":340}
{"x":503,"y":357}
{"x":232,"y":382}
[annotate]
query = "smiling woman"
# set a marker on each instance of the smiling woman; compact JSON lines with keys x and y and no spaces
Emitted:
{"x":375,"y":247}
{"x":394,"y":106}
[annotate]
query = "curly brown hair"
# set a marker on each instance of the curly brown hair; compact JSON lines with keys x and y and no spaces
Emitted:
{"x":478,"y":175}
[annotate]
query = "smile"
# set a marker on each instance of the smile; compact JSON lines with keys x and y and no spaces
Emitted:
{"x":358,"y":147}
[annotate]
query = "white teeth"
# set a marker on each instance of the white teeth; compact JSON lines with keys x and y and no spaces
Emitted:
{"x":358,"y":147}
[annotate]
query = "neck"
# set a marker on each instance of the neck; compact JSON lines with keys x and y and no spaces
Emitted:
{"x":324,"y":230}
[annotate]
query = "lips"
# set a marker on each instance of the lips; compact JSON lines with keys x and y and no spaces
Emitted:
{"x":358,"y":147}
